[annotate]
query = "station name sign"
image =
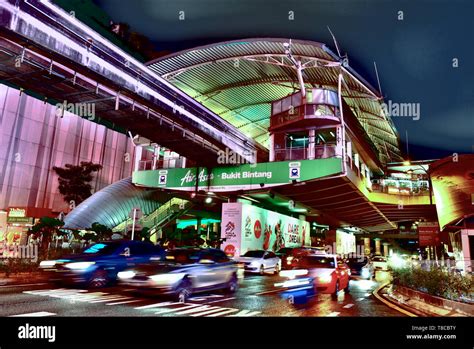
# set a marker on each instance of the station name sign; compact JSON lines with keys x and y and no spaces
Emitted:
{"x":241,"y":177}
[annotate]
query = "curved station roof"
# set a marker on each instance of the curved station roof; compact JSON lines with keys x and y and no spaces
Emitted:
{"x":239,"y":79}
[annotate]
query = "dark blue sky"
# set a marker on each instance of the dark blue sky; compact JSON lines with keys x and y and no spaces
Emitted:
{"x":414,"y":56}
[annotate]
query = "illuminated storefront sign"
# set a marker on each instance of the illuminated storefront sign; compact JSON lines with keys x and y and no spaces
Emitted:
{"x":18,"y":215}
{"x":242,"y":177}
{"x":245,"y":227}
{"x":16,"y":212}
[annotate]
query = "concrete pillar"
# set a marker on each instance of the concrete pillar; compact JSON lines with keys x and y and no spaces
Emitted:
{"x":377,"y":247}
{"x":198,"y":227}
{"x":311,"y":145}
{"x":156,"y":157}
{"x":366,"y":246}
{"x":385,"y":249}
{"x":272,"y":147}
{"x":138,"y":158}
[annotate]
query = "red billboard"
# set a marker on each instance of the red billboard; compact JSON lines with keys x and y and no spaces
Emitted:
{"x":428,"y":234}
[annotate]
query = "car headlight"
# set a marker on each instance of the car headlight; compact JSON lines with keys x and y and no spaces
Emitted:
{"x":326,"y":278}
{"x":47,"y":264}
{"x":365,"y":273}
{"x":167,"y":278}
{"x":79,"y":265}
{"x":128,"y":274}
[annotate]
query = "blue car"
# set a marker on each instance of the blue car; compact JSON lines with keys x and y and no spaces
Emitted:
{"x":98,"y":265}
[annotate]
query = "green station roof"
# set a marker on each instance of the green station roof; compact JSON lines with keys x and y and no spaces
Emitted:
{"x":239,"y":79}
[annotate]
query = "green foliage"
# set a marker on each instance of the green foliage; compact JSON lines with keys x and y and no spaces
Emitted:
{"x":436,"y":282}
{"x":74,"y":181}
{"x":102,"y":232}
{"x":45,"y":228}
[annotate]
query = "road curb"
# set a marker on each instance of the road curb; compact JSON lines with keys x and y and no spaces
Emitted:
{"x":389,"y":303}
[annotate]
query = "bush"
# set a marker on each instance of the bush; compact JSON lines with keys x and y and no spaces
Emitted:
{"x":436,"y":282}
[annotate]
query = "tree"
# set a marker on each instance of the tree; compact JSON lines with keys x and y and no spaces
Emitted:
{"x":102,"y":231}
{"x":45,"y":228}
{"x":74,"y":181}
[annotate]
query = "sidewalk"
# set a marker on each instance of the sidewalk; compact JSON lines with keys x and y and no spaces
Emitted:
{"x":416,"y":307}
{"x":21,"y":278}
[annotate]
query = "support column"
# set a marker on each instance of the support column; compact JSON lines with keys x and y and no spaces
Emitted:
{"x":138,"y":158}
{"x":367,"y":246}
{"x":377,"y":247}
{"x":311,"y":145}
{"x":272,"y":148}
{"x":385,"y":249}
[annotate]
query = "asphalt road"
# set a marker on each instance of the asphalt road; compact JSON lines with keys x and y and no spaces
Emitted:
{"x":256,"y":296}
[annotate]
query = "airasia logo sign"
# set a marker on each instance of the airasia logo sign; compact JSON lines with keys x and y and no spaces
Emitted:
{"x":229,"y":250}
{"x":257,"y":229}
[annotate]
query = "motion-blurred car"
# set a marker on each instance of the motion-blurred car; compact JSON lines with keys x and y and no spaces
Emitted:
{"x":98,"y":265}
{"x":330,"y":274}
{"x":290,"y":255}
{"x":380,"y":263}
{"x":361,"y":267}
{"x":183,"y":272}
{"x":260,"y":261}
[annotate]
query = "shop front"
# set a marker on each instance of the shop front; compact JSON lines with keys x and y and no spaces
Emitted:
{"x":16,"y":221}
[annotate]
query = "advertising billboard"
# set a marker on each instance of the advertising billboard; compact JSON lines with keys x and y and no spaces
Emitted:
{"x":246,"y":227}
{"x":241,"y":177}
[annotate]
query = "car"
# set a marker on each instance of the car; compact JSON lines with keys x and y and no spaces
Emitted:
{"x":361,"y":267}
{"x":182,"y":273}
{"x":380,"y":263}
{"x":329,"y":272}
{"x":260,"y":261}
{"x":98,"y":265}
{"x":289,"y":255}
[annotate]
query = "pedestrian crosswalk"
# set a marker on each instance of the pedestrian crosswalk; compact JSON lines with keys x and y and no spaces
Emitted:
{"x":199,"y":306}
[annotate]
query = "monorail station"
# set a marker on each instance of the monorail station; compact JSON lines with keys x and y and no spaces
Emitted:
{"x":279,"y":125}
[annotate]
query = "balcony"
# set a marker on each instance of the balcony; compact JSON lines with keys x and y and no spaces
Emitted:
{"x":318,"y":108}
{"x":303,"y":153}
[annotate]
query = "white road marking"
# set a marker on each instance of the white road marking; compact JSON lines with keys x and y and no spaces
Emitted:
{"x":157,"y":305}
{"x":215,"y":310}
{"x":246,"y":313}
{"x":224,"y":312}
{"x":36,"y":314}
{"x":360,"y":299}
{"x":195,"y":310}
{"x":172,"y":310}
{"x":367,"y":294}
{"x":108,"y":299}
{"x":347,"y":306}
{"x":203,"y":298}
{"x":267,"y":292}
{"x":23,"y":285}
{"x":221,"y":300}
{"x":333,"y":314}
{"x":124,"y":302}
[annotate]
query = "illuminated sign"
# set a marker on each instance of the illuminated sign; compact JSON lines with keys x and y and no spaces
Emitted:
{"x":247,"y":227}
{"x":242,"y":177}
{"x":16,"y":212}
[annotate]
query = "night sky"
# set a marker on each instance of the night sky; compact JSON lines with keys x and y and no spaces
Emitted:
{"x":414,"y":56}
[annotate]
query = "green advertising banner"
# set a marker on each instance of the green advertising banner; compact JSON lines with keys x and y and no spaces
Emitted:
{"x":242,"y":177}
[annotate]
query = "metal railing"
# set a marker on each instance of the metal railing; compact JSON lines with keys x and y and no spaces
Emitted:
{"x":400,"y":187}
{"x":177,"y":162}
{"x":302,"y":153}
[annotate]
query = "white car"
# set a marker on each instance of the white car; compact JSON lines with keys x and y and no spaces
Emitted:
{"x":380,"y":263}
{"x":260,"y":261}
